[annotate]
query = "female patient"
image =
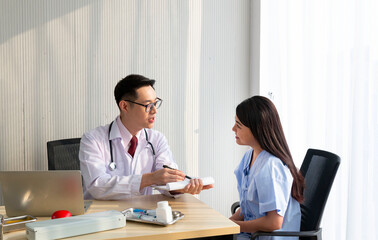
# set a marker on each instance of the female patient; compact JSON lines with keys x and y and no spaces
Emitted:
{"x":270,"y":186}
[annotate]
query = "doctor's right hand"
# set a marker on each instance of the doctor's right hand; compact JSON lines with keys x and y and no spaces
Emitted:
{"x":161,"y":176}
{"x":166,"y":175}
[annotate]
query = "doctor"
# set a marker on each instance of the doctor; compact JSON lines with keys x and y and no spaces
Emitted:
{"x":125,"y":157}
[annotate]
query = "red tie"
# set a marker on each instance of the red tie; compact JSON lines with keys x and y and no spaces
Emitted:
{"x":133,"y":145}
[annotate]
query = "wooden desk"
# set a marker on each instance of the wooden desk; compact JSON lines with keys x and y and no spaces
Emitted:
{"x":200,"y":220}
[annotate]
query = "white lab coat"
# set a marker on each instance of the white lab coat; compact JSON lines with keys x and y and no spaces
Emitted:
{"x":100,"y":182}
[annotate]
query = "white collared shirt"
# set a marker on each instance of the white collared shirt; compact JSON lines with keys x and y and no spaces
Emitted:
{"x":100,"y":182}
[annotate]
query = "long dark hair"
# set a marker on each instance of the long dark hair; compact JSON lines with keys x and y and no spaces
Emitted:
{"x":260,"y":115}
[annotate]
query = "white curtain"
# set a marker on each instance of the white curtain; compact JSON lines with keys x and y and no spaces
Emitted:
{"x":319,"y":64}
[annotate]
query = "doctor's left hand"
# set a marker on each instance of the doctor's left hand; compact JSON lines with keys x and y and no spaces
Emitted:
{"x":195,"y":187}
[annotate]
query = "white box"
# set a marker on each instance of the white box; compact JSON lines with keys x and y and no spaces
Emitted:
{"x":73,"y":226}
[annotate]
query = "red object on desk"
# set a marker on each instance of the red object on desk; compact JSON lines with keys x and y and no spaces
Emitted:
{"x":61,"y":214}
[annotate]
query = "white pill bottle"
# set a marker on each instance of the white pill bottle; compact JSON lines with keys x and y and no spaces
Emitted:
{"x":164,"y":212}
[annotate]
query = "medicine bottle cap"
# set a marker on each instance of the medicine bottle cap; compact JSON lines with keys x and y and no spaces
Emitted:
{"x":162,"y":204}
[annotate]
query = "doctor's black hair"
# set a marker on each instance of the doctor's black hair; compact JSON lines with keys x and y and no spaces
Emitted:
{"x":260,"y":115}
{"x":126,"y":88}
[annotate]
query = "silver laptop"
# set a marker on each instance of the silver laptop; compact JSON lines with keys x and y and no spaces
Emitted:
{"x":41,"y":193}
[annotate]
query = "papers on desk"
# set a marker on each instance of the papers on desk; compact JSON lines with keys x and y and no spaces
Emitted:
{"x":180,"y":185}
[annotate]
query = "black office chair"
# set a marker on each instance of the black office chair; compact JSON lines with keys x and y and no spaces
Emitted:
{"x":319,"y":169}
{"x":63,"y":154}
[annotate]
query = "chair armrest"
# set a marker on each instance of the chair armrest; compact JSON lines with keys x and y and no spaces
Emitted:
{"x":235,"y":206}
{"x":288,"y":234}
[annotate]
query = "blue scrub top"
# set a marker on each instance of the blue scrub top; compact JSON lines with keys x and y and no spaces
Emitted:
{"x":264,"y":187}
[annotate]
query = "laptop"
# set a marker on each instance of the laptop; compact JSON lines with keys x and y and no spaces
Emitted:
{"x":41,"y":193}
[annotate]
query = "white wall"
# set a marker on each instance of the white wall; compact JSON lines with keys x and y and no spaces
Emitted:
{"x":60,"y":61}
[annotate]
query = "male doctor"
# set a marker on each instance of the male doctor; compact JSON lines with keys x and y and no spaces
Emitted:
{"x":124,"y":158}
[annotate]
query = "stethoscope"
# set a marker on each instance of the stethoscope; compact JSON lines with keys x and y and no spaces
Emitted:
{"x":112,"y":165}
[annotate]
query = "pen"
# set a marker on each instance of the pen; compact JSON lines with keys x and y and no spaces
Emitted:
{"x":166,"y":166}
{"x":145,"y":211}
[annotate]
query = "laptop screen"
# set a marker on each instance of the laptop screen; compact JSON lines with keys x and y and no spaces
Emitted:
{"x":41,"y":193}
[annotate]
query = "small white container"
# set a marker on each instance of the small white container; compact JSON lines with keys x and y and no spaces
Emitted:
{"x":164,"y":212}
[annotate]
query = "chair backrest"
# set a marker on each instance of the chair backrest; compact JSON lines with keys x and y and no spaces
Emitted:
{"x":63,"y":154}
{"x":319,"y":170}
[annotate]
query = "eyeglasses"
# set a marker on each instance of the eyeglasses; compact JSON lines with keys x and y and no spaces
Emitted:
{"x":149,"y":106}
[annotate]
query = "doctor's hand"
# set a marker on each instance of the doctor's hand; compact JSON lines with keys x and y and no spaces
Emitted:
{"x":194,"y":187}
{"x":161,"y":176}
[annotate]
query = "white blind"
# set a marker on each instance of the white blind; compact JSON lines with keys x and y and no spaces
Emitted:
{"x":60,"y":61}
